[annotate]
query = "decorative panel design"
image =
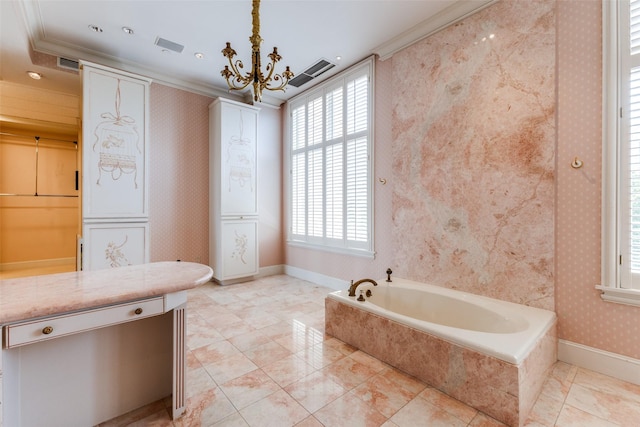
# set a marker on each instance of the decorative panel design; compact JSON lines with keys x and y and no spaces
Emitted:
{"x":109,"y":245}
{"x":114,"y":135}
{"x":239,"y":249}
{"x":238,"y":174}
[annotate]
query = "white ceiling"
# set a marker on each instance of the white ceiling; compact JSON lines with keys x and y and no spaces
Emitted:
{"x":303,"y":30}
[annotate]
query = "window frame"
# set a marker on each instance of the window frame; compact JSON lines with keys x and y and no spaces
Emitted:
{"x":362,"y":249}
{"x":615,"y":275}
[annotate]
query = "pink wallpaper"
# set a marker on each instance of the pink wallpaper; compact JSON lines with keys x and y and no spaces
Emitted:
{"x":583,"y":317}
{"x":179,"y":181}
{"x":179,"y":175}
{"x":473,"y":155}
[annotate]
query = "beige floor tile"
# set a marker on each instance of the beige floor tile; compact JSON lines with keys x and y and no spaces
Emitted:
{"x":615,"y":407}
{"x":249,"y":388}
{"x":230,"y":330}
{"x":233,"y":420}
{"x":572,"y":417}
{"x":344,"y":348}
{"x":449,"y":404}
{"x":315,"y":391}
{"x":300,"y":337}
{"x":215,"y":351}
{"x":205,"y":409}
{"x":545,"y":411}
{"x":383,"y":394}
{"x":406,"y":381}
{"x":310,"y":421}
{"x":420,"y":412}
{"x":288,"y":370}
{"x":349,"y":410}
{"x":249,"y":340}
{"x":348,"y":372}
{"x":226,"y":369}
{"x":276,"y":410}
{"x":320,"y":355}
{"x":608,"y":385}
{"x":267,"y":354}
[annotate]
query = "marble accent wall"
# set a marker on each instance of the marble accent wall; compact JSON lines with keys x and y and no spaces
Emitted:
{"x":474,"y":155}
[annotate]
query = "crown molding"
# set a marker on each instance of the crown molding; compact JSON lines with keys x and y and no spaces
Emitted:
{"x":38,"y":41}
{"x":452,"y":14}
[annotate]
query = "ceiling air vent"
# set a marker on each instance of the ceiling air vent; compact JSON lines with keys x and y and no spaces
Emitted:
{"x":169,"y":45}
{"x":68,"y":64}
{"x":312,"y":72}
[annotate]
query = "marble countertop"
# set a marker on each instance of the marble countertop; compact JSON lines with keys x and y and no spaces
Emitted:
{"x":37,"y":296}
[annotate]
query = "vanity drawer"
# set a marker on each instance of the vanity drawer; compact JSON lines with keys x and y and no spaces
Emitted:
{"x":58,"y":326}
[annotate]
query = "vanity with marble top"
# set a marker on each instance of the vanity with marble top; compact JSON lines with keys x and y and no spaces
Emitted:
{"x":81,"y":348}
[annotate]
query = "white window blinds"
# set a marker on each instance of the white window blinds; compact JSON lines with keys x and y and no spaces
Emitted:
{"x":621,"y":152}
{"x":630,"y":146}
{"x":330,"y":188}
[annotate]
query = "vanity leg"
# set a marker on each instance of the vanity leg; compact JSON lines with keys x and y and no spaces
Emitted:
{"x":179,"y":360}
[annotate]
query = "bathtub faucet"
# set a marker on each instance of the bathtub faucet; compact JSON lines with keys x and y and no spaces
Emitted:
{"x":352,"y":288}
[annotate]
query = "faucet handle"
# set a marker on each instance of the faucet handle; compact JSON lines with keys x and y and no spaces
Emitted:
{"x":389,"y":275}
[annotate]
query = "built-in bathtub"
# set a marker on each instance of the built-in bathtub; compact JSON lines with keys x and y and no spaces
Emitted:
{"x":492,"y":355}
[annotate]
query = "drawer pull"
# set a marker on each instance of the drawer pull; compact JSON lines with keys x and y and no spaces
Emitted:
{"x":47,"y":330}
{"x":138,"y":310}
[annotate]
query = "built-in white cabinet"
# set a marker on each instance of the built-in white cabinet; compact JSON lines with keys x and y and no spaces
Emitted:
{"x":115,"y":199}
{"x":233,"y":198}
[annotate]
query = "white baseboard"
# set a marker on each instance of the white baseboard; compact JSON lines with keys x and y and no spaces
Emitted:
{"x":271,"y":270}
{"x":607,"y":363}
{"x":299,"y":273}
{"x":317,"y":278}
{"x":42,"y":263}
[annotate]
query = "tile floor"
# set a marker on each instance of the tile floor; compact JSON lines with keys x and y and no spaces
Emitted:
{"x":257,"y":356}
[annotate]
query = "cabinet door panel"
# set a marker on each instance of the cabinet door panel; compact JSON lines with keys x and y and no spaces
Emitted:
{"x":114,"y":144}
{"x":239,"y":247}
{"x":238,"y":158}
{"x":115,"y":245}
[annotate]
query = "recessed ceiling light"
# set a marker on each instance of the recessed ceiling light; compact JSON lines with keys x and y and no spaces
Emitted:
{"x":34,"y":75}
{"x":128,"y":30}
{"x":95,"y":28}
{"x":199,"y":55}
{"x":338,"y":58}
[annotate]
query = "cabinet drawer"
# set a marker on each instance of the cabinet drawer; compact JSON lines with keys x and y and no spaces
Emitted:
{"x":58,"y":326}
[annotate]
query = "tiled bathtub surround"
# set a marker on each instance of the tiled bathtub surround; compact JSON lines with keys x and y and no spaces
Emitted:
{"x":500,"y":389}
{"x":473,"y":155}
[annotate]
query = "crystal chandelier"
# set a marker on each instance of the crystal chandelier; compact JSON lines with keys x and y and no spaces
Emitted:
{"x":233,"y":72}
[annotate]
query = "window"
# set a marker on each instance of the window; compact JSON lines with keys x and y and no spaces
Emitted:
{"x":330,"y":133}
{"x":621,"y":152}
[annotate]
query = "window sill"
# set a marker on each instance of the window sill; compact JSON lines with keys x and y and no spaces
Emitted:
{"x":344,"y":251}
{"x":620,"y":296}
